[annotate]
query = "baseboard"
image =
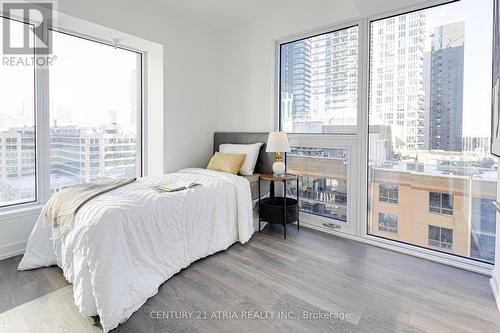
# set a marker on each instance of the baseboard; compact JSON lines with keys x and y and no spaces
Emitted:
{"x":495,"y":289}
{"x":12,"y":249}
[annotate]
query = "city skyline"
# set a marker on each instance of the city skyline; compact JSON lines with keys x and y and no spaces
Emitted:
{"x":426,"y":143}
{"x":77,"y":155}
{"x":477,"y":71}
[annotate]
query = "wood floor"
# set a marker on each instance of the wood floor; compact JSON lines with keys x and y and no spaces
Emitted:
{"x":309,"y":273}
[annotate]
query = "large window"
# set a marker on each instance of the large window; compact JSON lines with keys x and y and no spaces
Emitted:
{"x":429,"y":127}
{"x":93,"y":94}
{"x":318,"y":95}
{"x":318,"y":83}
{"x":431,"y":177}
{"x":17,"y":127}
{"x":93,"y":111}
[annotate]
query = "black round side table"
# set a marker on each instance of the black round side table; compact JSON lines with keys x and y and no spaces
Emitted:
{"x":279,"y":210}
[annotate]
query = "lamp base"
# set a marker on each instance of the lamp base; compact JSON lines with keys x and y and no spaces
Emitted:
{"x":278,"y":169}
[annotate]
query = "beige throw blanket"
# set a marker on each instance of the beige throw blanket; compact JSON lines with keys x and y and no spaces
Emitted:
{"x":62,"y":207}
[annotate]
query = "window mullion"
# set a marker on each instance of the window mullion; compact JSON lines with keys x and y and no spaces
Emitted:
{"x":42,"y":131}
{"x":140,"y":107}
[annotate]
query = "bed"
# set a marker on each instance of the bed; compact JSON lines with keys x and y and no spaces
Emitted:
{"x":125,"y":243}
{"x":264,"y":164}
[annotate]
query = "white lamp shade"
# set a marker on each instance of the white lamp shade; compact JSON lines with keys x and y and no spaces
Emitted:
{"x":277,"y":142}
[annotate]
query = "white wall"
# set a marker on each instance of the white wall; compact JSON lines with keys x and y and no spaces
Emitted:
{"x":245,"y":55}
{"x":189,"y":71}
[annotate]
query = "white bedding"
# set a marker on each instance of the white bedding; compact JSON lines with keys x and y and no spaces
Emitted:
{"x":127,"y":242}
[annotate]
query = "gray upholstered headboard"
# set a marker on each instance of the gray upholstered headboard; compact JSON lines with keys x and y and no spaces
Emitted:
{"x":265,"y":161}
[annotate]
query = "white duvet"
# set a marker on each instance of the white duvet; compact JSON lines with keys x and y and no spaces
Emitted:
{"x":127,"y":242}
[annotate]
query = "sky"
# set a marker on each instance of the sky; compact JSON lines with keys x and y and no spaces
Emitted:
{"x":13,"y":92}
{"x":88,"y":82}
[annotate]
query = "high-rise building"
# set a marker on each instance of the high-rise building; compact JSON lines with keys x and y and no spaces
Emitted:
{"x":319,"y":82}
{"x":296,"y":83}
{"x":476,"y":144}
{"x":396,"y":83}
{"x":334,"y":77}
{"x":447,"y":87}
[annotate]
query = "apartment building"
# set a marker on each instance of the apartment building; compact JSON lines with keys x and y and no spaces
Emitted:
{"x":85,"y":154}
{"x":17,"y":164}
{"x":17,"y":152}
{"x":319,"y":85}
{"x":451,"y":213}
{"x":334,"y":77}
{"x":77,"y":155}
{"x":296,"y":95}
{"x":396,"y":84}
{"x":322,"y":182}
{"x":447,"y":87}
{"x":457,"y":217}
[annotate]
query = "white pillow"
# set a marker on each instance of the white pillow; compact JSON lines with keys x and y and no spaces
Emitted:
{"x":251,"y":151}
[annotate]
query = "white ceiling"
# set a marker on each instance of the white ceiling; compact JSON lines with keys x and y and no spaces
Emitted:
{"x":221,"y":14}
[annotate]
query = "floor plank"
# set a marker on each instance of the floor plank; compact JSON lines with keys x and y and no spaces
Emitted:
{"x":274,"y":285}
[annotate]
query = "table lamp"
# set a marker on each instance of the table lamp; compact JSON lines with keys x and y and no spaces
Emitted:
{"x":277,"y":143}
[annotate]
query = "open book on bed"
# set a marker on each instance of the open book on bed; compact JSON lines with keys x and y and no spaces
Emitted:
{"x":175,"y":186}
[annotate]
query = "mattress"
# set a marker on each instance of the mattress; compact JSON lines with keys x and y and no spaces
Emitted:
{"x":125,"y":243}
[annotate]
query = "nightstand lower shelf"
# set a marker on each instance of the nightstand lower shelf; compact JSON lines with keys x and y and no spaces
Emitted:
{"x":272,"y":210}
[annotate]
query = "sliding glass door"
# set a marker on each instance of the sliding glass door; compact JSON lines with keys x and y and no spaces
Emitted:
{"x":431,"y":179}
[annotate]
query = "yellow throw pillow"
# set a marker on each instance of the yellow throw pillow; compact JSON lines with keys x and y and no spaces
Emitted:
{"x":230,"y":163}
